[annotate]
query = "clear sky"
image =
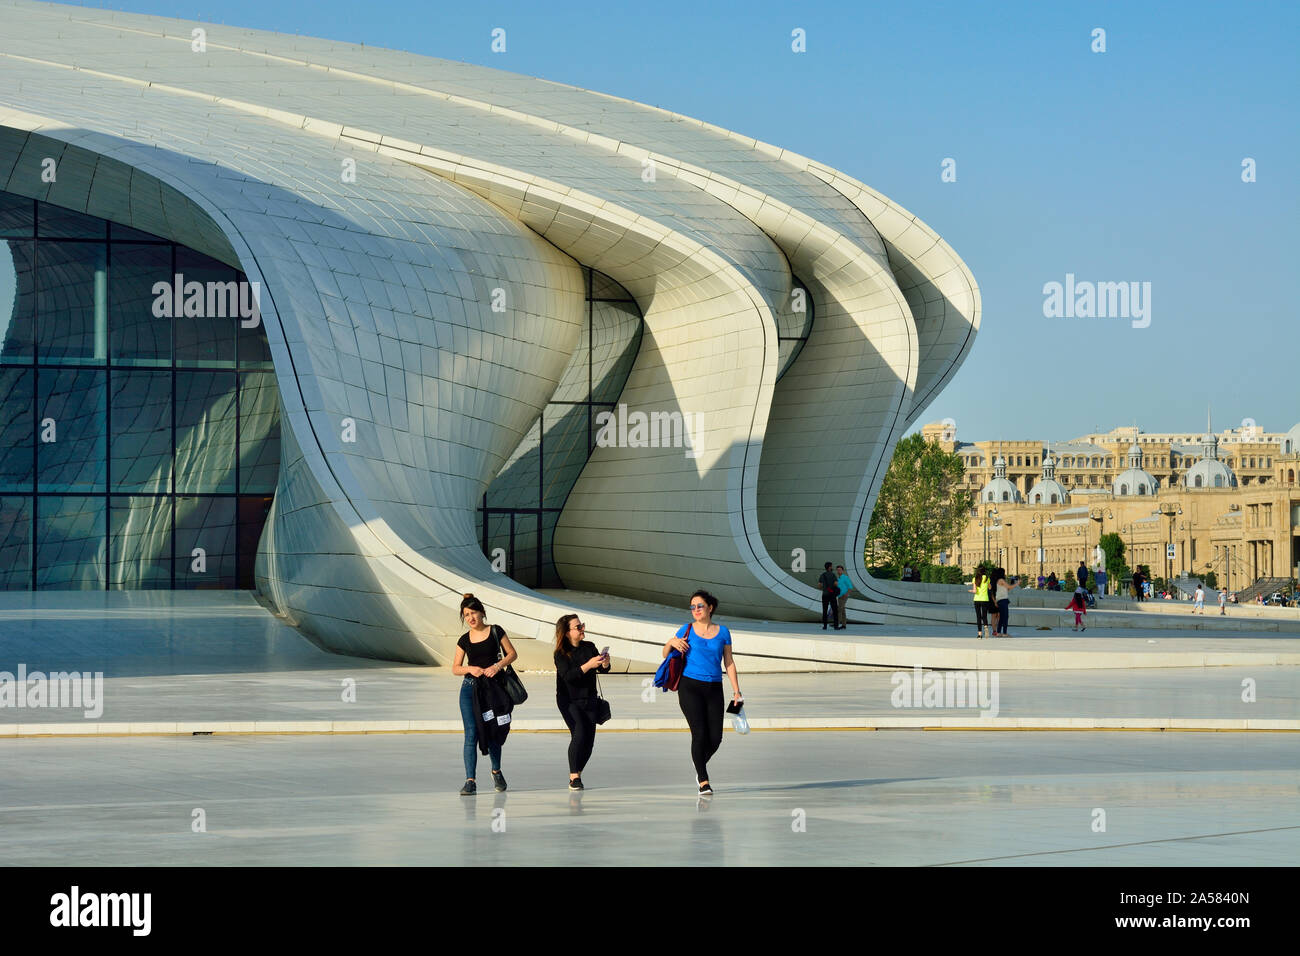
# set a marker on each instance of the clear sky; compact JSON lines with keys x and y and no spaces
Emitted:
{"x":1115,"y":166}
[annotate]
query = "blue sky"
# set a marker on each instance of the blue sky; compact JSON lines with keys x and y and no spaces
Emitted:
{"x":1115,"y":166}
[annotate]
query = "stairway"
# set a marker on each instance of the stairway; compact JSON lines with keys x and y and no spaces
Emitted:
{"x":1265,"y":586}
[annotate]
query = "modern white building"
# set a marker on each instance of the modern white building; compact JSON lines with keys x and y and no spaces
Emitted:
{"x":512,"y":337}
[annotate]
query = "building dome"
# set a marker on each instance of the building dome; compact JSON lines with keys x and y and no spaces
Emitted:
{"x":1209,"y":472}
{"x":1047,"y":490}
{"x":1136,"y":481}
{"x":1000,"y":489}
{"x":1291,"y":441}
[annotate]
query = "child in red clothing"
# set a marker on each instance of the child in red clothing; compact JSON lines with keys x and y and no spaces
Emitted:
{"x":1078,"y":604}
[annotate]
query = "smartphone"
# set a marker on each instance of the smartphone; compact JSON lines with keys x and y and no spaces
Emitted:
{"x":605,"y":652}
{"x":734,"y":706}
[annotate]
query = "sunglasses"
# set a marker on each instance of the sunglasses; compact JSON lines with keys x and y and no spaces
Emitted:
{"x":698,"y":607}
{"x":579,"y":625}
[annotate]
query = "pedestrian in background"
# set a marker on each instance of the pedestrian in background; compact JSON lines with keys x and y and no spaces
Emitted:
{"x":1079,"y":605}
{"x":1002,"y":595}
{"x":845,"y":586}
{"x":980,"y":588}
{"x":830,"y":591}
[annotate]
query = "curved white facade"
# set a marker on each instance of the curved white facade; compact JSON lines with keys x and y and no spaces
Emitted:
{"x":417,"y":227}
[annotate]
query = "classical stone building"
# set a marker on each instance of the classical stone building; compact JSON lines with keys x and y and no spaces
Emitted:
{"x":1227,"y":502}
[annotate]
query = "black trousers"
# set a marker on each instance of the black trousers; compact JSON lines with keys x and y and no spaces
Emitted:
{"x":582,"y":731}
{"x":702,"y":706}
{"x":829,"y":609}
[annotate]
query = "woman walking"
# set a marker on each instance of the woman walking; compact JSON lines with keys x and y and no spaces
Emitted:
{"x":1002,"y":593}
{"x":707,"y":647}
{"x":980,"y":588}
{"x":577,"y":662}
{"x":476,"y":657}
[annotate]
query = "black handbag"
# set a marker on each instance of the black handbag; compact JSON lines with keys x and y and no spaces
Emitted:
{"x":514,"y":687}
{"x":600,"y":706}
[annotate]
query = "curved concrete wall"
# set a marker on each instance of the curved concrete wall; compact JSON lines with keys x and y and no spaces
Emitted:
{"x":379,"y":256}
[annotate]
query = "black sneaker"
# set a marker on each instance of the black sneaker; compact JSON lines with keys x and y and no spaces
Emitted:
{"x":576,"y":784}
{"x":706,"y":790}
{"x":469,"y":789}
{"x":500,"y":779}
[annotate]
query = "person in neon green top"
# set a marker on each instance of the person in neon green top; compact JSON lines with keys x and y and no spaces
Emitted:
{"x":980,"y":588}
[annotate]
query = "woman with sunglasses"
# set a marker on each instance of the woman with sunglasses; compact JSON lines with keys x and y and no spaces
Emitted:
{"x":476,"y":656}
{"x":577,"y":662}
{"x":707,"y":647}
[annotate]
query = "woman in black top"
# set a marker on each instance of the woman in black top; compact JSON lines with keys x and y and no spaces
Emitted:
{"x":479,"y":646}
{"x":576,"y":664}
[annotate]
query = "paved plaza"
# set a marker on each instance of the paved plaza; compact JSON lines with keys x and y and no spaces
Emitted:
{"x":821,"y":798}
{"x":335,"y":793}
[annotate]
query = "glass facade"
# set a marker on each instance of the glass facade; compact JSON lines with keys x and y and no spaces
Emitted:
{"x":137,"y":449}
{"x":519,"y":512}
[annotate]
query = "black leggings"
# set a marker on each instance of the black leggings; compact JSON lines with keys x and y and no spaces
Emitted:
{"x":981,"y":613}
{"x":701,"y":702}
{"x":582,"y":728}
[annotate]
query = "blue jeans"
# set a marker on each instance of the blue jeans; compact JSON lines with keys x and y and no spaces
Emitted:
{"x":471,"y":731}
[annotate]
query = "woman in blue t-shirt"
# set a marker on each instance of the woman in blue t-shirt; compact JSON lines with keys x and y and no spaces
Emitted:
{"x":707,"y":647}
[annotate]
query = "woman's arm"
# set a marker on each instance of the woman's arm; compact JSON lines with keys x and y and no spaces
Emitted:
{"x":730,"y":664}
{"x":458,"y":664}
{"x":568,"y":671}
{"x":675,"y":643}
{"x":511,"y":656}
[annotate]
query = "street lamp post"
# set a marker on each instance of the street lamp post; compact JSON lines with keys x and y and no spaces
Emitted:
{"x":988,"y":513}
{"x":1042,"y":526}
{"x":1098,"y":515}
{"x":1170,"y":511}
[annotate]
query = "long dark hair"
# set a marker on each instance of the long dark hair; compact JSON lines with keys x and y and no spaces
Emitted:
{"x":979,"y":576}
{"x":997,"y":575}
{"x":562,"y":643}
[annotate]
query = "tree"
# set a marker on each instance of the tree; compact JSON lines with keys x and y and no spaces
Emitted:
{"x":1112,"y":546}
{"x":1068,"y":582}
{"x":920,"y":510}
{"x":1212,"y":580}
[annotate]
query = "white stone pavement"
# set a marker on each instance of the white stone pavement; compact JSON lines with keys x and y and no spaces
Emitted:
{"x":201,"y":664}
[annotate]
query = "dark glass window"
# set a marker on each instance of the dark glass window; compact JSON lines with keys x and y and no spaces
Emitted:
{"x":140,"y":543}
{"x":141,"y":445}
{"x":70,"y":542}
{"x":522,"y":505}
{"x":70,"y":430}
{"x":72,"y":302}
{"x":214,"y":289}
{"x":17,"y":300}
{"x":17,"y":435}
{"x":138,"y":337}
{"x":205,"y":542}
{"x":107,"y":410}
{"x":205,"y":431}
{"x":15,"y":543}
